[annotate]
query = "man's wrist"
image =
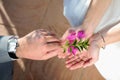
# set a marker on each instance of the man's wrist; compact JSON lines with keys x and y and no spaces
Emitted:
{"x":12,"y":45}
{"x":19,"y":50}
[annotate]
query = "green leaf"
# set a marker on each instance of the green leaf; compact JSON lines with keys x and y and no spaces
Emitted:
{"x":80,"y":43}
{"x":64,"y":50}
{"x":77,"y":46}
{"x":85,"y":47}
{"x":81,"y":47}
{"x":88,"y":44}
{"x":70,"y":49}
{"x":83,"y":43}
{"x":75,"y":42}
{"x":67,"y":43}
{"x":87,"y":41}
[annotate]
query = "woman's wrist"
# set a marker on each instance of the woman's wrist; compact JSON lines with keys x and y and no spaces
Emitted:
{"x":100,"y":40}
{"x":87,"y":31}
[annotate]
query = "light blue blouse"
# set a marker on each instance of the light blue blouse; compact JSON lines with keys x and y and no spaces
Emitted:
{"x":75,"y":11}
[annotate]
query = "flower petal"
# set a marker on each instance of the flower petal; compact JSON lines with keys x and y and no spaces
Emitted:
{"x":72,"y":36}
{"x":80,"y":34}
{"x":72,"y":50}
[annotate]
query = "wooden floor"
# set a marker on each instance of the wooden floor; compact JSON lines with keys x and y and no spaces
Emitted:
{"x":19,"y":17}
{"x":53,"y":69}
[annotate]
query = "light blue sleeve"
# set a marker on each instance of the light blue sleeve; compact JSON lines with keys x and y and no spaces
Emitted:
{"x":4,"y":56}
{"x":75,"y":11}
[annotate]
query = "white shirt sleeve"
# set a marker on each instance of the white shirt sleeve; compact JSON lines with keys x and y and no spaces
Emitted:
{"x":4,"y":56}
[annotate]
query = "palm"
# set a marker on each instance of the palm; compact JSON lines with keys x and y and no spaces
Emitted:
{"x":86,"y":58}
{"x":92,"y":54}
{"x":63,"y":39}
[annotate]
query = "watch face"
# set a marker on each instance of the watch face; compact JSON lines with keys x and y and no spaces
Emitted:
{"x":12,"y":47}
{"x":12,"y":44}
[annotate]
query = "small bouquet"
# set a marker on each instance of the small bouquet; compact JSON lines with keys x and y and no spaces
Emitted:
{"x":75,"y":42}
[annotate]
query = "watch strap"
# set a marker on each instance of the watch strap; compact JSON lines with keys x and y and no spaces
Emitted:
{"x":12,"y":45}
{"x":4,"y":57}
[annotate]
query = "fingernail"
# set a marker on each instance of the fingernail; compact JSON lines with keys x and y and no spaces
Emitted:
{"x":66,"y":62}
{"x":59,"y":56}
{"x":84,"y":66}
{"x":63,"y":57}
{"x":67,"y":66}
{"x":71,"y":68}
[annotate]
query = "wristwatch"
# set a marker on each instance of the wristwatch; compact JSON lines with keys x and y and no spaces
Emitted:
{"x":12,"y":45}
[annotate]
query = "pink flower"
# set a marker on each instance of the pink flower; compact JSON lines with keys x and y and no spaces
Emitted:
{"x":72,"y":50}
{"x":71,"y":37}
{"x":75,"y":42}
{"x":80,"y":34}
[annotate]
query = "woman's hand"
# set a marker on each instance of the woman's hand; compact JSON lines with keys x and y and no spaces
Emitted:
{"x":65,"y":35}
{"x":38,"y":45}
{"x":63,"y":40}
{"x":85,"y":58}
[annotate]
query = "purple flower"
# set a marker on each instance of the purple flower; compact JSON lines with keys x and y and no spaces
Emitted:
{"x":71,"y":37}
{"x":81,"y":34}
{"x":72,"y":49}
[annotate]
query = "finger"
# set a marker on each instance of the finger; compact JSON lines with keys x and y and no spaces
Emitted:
{"x":52,"y":39}
{"x":89,"y":62}
{"x":71,"y":60}
{"x":73,"y":57}
{"x":51,"y":34}
{"x":77,"y":65}
{"x":67,"y":33}
{"x":64,"y":55}
{"x":49,"y":54}
{"x":84,"y":58}
{"x":42,"y":32}
{"x":53,"y":46}
{"x":61,"y":53}
{"x":68,"y":65}
{"x":45,"y":32}
{"x":70,"y":56}
{"x":52,"y":42}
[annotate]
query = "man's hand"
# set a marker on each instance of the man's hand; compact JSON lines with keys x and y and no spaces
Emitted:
{"x":38,"y":45}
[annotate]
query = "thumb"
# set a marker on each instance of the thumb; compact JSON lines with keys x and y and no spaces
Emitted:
{"x":67,"y":33}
